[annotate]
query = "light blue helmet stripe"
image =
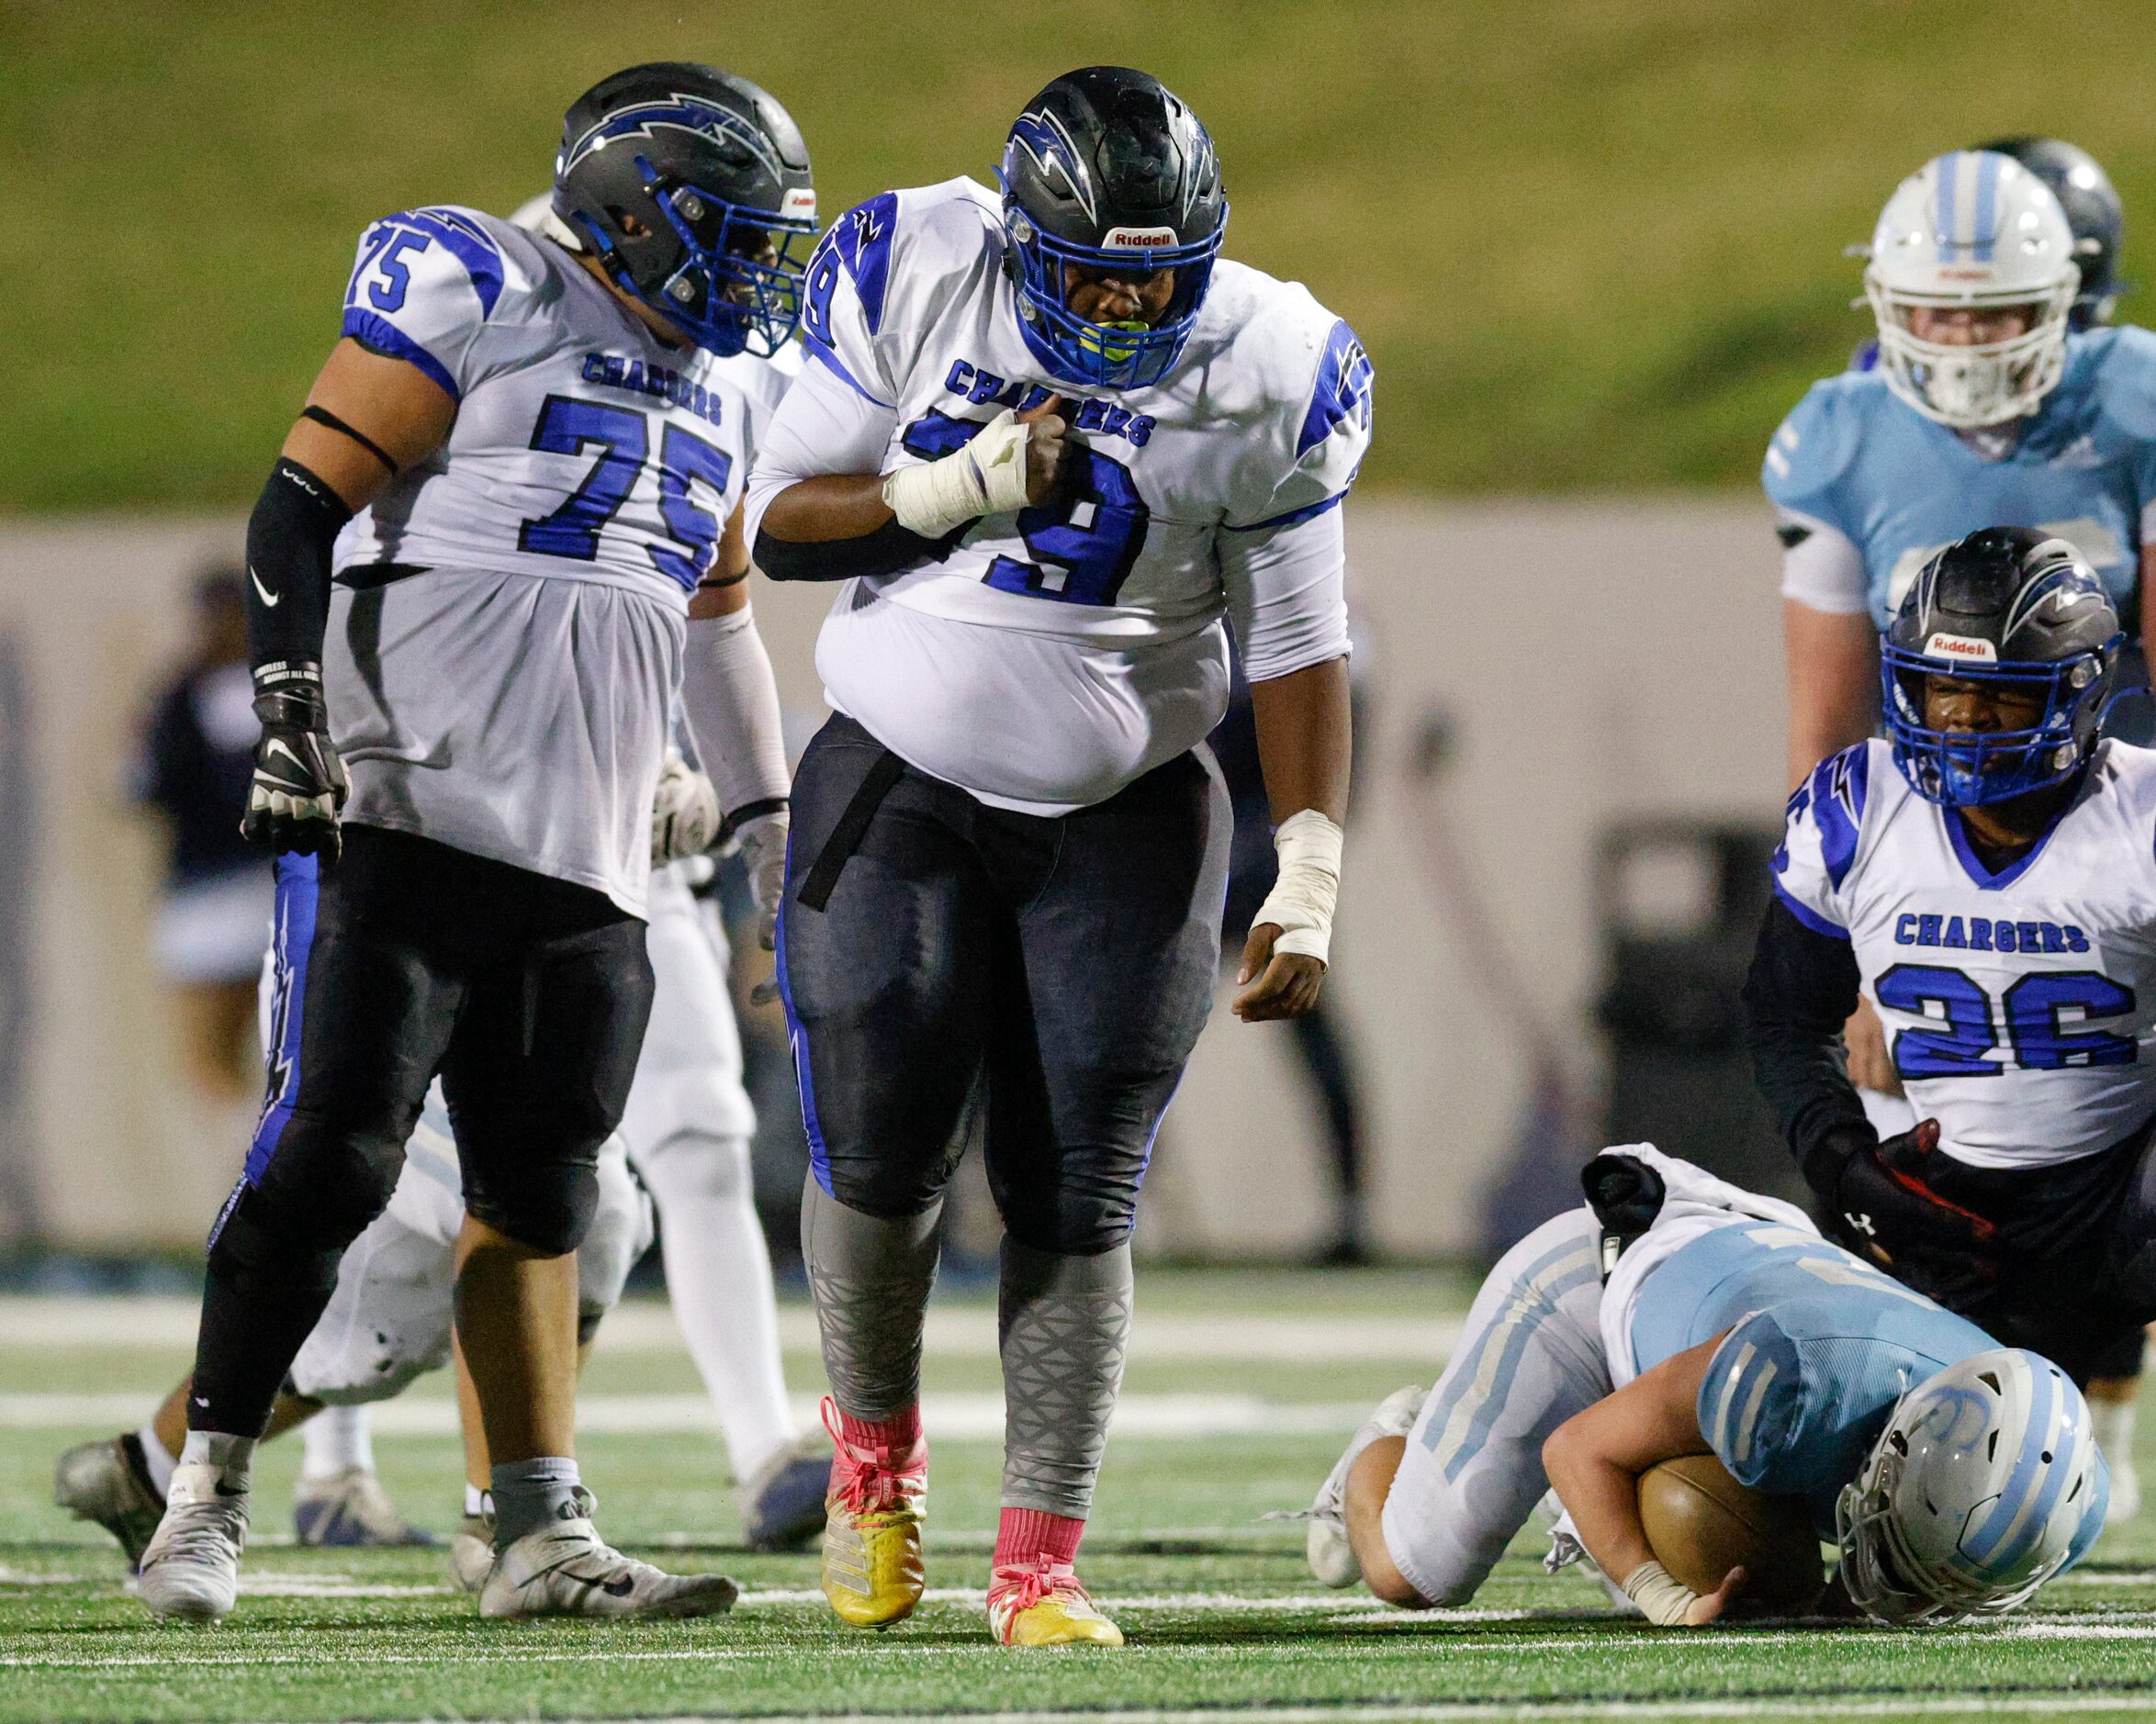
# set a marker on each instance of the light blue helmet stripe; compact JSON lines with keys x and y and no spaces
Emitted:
{"x":1987,"y":186}
{"x":1944,"y":179}
{"x":1984,"y":1539}
{"x":2056,"y":1477}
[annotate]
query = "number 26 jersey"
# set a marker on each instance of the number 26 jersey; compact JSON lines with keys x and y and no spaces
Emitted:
{"x":1053,"y":653}
{"x":505,"y":633}
{"x":2019,"y":1006}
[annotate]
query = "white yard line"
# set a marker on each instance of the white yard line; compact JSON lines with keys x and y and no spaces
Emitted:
{"x":953,"y":1417}
{"x":643,"y":1325}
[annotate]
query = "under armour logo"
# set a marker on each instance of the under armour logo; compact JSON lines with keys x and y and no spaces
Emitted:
{"x":1862,"y":1224}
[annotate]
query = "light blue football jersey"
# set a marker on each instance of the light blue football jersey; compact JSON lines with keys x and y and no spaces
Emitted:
{"x":1820,"y":1347}
{"x":1900,"y":487}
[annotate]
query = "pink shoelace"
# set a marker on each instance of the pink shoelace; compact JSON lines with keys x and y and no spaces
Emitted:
{"x":865,"y":1479}
{"x":1021,"y":1585}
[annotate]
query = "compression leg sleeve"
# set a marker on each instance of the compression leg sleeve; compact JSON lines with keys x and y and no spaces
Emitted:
{"x":1064,"y":1324}
{"x":870,"y":1278}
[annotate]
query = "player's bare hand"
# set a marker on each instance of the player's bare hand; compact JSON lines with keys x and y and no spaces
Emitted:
{"x":1046,"y":449}
{"x":1716,"y":1604}
{"x":1277,"y":985}
{"x":1871,"y":1065}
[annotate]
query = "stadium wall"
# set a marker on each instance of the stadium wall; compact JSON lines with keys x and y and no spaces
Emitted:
{"x":1598,"y":661}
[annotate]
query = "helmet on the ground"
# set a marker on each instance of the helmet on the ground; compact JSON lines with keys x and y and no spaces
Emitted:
{"x":1972,"y":230}
{"x":1984,"y":1484}
{"x":2093,"y":210}
{"x":1106,"y":169}
{"x":690,"y":187}
{"x":2016,"y":611}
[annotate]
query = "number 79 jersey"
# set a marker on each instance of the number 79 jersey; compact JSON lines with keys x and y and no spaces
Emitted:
{"x":584,"y":448}
{"x":1047,"y":656}
{"x":2019,"y":1006}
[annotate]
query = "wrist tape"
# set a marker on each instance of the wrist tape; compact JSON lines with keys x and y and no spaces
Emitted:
{"x":1661,"y":1597}
{"x":1300,"y":904}
{"x":984,"y":476}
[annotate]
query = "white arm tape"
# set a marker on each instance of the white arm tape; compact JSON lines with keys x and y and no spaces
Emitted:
{"x":731,"y":700}
{"x":1300,"y":904}
{"x":1662,"y":1598}
{"x":984,"y":476}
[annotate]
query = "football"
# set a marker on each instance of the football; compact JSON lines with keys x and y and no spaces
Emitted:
{"x":1702,"y":1523}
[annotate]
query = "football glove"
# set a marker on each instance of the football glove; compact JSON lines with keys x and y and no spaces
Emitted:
{"x":684,"y":813}
{"x":300,"y":783}
{"x":1885,"y":1210}
{"x":763,"y":857}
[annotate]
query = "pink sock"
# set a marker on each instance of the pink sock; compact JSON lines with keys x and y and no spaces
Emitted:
{"x":1024,"y":1536}
{"x":896,"y":1435}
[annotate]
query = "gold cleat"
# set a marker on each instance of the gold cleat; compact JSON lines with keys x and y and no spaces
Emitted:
{"x":1045,"y":1605}
{"x":872,"y":1572}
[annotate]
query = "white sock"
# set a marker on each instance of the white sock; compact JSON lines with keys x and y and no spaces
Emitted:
{"x":337,"y":1439}
{"x":2112,"y":1422}
{"x":719,"y":1281}
{"x":160,"y":1459}
{"x":231,"y":1456}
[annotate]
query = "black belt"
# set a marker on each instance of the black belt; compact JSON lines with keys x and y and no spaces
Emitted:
{"x":846,"y":836}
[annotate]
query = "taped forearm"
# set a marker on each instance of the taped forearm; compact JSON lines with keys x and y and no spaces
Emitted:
{"x":1803,"y":987}
{"x":1662,"y":1598}
{"x":1302,"y":900}
{"x":731,"y":700}
{"x":291,"y":539}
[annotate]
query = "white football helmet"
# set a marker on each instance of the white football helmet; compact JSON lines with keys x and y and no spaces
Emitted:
{"x":1985,"y":1483}
{"x":1974,"y":229}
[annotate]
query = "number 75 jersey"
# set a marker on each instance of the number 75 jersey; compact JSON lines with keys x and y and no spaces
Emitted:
{"x":584,"y":448}
{"x":2019,"y":1006}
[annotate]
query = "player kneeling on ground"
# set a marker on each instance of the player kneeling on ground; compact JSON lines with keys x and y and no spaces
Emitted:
{"x":1987,"y":879}
{"x":387,"y":1325}
{"x":1677,"y":1315}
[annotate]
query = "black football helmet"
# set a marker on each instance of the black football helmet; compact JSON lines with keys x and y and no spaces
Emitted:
{"x":1108,"y":167}
{"x":2093,"y":210}
{"x":2015,"y":608}
{"x":716,"y":177}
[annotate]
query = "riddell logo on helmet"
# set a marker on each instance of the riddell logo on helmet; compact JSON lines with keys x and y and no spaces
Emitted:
{"x":1136,"y":239}
{"x":1944,"y":645}
{"x":799,"y":200}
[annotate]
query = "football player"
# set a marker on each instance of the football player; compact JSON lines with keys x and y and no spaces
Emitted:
{"x":1986,"y":879}
{"x":1048,"y":440}
{"x":519,"y":462}
{"x":2093,"y":212}
{"x":1675,"y":1315}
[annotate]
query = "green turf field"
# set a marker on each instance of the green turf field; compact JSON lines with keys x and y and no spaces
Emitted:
{"x":1222,"y":1616}
{"x":1589,"y":243}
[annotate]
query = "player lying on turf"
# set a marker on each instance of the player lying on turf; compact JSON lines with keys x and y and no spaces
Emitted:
{"x":1689,"y":1317}
{"x":1987,"y":879}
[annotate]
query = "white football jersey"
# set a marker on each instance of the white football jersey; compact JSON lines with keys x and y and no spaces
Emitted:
{"x":1055,"y":654}
{"x":505,"y":637}
{"x":2020,"y":1007}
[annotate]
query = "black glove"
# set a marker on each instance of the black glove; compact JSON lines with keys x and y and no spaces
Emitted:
{"x":1884,"y":1209}
{"x":300,"y":784}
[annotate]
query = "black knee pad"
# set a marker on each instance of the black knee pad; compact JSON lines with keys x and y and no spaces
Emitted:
{"x":544,"y":1204}
{"x":1070,"y":1224}
{"x":321,"y":1188}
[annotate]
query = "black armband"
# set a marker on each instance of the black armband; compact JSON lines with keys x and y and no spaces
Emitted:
{"x":885,"y":550}
{"x":290,"y":537}
{"x":1803,"y":987}
{"x":322,"y":416}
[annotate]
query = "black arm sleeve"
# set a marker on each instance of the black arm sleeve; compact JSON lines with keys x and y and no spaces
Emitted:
{"x":885,"y":550}
{"x":290,"y":537}
{"x":1803,"y":987}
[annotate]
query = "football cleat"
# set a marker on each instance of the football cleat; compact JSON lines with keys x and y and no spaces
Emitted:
{"x":108,"y":1482}
{"x":471,"y":1553}
{"x":1332,"y":1557}
{"x":1041,"y":1604}
{"x":873,"y":1511}
{"x":782,"y":1504}
{"x":566,"y":1569}
{"x":350,"y":1510}
{"x":191,"y":1570}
